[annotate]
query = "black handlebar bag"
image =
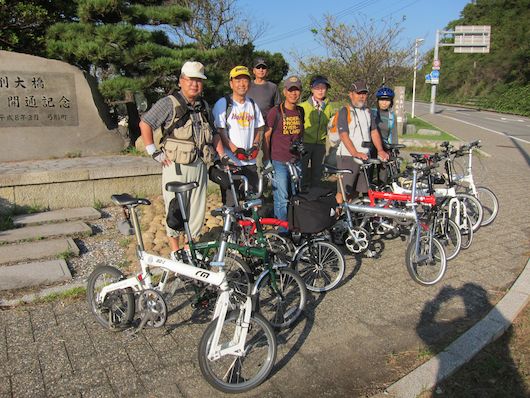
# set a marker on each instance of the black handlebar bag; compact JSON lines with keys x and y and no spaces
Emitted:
{"x":313,"y":211}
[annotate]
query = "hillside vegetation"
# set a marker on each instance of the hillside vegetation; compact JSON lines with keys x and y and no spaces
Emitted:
{"x":499,"y":80}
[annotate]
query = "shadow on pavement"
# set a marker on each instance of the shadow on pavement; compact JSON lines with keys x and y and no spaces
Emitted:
{"x":523,"y":151}
{"x":442,"y":320}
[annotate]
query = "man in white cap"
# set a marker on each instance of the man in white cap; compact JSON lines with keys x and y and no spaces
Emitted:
{"x":186,"y":147}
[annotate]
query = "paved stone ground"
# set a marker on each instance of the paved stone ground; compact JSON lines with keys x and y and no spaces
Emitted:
{"x":354,"y":341}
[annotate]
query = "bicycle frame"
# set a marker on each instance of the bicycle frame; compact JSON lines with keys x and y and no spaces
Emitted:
{"x":373,"y":209}
{"x":143,"y":281}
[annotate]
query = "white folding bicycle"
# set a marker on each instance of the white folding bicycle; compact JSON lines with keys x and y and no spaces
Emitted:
{"x":237,"y":350}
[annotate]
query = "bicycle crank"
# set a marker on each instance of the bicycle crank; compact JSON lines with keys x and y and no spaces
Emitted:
{"x":357,"y":240}
{"x":152,"y":308}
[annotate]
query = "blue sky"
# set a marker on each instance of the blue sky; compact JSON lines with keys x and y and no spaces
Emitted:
{"x":289,"y":21}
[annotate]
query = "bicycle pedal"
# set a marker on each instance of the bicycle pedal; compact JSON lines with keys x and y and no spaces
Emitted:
{"x":371,"y":254}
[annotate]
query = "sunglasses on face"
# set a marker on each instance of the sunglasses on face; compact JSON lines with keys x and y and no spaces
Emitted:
{"x":261,"y":67}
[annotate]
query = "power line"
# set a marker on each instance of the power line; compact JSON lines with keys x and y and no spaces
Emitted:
{"x":303,"y":29}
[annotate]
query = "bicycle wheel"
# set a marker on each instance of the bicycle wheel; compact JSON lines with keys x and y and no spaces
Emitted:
{"x":448,"y":234}
{"x":321,"y":265}
{"x":281,"y":297}
{"x":235,"y":374}
{"x":117,"y":310}
{"x":466,"y":230}
{"x":428,"y":266}
{"x":278,"y":244}
{"x":238,"y":275}
{"x":473,"y":209}
{"x":490,"y":205}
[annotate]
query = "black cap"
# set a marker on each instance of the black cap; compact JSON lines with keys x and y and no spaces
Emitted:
{"x":319,"y":80}
{"x":260,"y":61}
{"x":359,"y":86}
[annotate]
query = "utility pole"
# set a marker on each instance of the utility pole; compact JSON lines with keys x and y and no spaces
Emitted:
{"x":433,"y":86}
{"x":416,"y":44}
{"x":467,"y":39}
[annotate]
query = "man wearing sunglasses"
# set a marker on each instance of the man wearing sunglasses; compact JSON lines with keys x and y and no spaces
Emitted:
{"x":264,"y":92}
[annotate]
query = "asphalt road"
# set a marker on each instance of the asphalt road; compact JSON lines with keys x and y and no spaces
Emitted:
{"x":513,"y":126}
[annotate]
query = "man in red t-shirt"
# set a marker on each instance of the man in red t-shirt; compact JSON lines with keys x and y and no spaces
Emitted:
{"x":285,"y":126}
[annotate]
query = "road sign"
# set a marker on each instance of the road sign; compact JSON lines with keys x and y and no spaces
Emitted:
{"x":472,"y":39}
{"x":436,"y":64}
{"x":428,"y":78}
{"x":435,"y":77}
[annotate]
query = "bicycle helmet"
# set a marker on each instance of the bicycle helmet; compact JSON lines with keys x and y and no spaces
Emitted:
{"x":385,"y":93}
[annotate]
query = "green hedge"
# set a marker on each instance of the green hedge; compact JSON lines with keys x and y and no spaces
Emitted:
{"x":503,"y":98}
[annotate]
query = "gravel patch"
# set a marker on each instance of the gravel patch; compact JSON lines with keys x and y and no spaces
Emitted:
{"x":107,"y":246}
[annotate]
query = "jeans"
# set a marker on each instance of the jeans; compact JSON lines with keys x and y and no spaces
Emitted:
{"x":282,"y":189}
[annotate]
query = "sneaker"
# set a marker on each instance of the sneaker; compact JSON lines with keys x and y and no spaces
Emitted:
{"x":175,"y":256}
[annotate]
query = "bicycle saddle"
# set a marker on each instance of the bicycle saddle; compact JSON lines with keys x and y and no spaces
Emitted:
{"x":333,"y":170}
{"x":395,"y":146}
{"x":418,"y":156}
{"x":125,"y":199}
{"x":177,"y":187}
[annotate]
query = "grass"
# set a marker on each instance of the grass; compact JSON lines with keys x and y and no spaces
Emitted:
{"x":425,"y":353}
{"x":65,"y":255}
{"x":98,"y":204}
{"x":422,"y":124}
{"x":6,"y":219}
{"x":70,"y":294}
{"x":6,"y":222}
{"x":73,"y":155}
{"x":124,"y":242}
{"x":133,"y":151}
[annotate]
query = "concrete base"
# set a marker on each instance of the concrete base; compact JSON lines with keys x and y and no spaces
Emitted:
{"x":83,"y":213}
{"x":68,"y":183}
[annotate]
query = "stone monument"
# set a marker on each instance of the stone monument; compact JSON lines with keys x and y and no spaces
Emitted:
{"x":50,"y":109}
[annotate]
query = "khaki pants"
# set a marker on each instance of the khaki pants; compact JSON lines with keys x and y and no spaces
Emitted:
{"x":194,"y":200}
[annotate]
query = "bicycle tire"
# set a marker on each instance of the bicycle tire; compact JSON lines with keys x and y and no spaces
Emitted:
{"x":261,"y":343}
{"x":283,"y":306}
{"x":278,"y":244}
{"x":426,"y":276}
{"x":117,"y":311}
{"x":321,"y":265}
{"x":473,"y":209}
{"x":238,"y":275}
{"x":490,"y":205}
{"x":450,"y":238}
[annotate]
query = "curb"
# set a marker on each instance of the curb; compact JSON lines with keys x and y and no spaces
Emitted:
{"x":29,"y":298}
{"x":465,"y":347}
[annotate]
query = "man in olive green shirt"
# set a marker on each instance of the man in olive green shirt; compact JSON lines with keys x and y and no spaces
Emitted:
{"x":318,"y":111}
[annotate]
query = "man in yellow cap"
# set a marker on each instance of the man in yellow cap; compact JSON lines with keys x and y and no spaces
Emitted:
{"x":239,"y":123}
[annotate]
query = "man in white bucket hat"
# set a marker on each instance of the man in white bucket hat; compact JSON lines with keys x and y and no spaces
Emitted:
{"x":185,"y":148}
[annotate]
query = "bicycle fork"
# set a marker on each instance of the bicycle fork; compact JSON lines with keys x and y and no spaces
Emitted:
{"x":236,"y":346}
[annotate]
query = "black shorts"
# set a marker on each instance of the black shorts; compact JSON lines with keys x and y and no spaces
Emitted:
{"x":355,"y":182}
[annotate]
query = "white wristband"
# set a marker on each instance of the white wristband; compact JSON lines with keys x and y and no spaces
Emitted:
{"x":151,"y":148}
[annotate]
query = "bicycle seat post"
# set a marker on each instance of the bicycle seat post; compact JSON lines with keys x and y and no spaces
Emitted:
{"x":183,"y":212}
{"x":136,"y":226}
{"x":227,"y":228}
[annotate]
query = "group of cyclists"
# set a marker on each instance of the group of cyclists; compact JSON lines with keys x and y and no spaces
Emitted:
{"x":252,"y":123}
